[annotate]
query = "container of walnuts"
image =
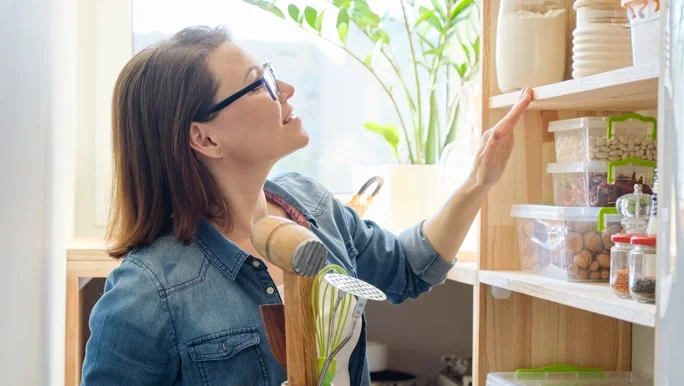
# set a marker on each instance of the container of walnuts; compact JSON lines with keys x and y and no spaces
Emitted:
{"x":564,"y":242}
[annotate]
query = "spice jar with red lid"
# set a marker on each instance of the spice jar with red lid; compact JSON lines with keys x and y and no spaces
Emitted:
{"x":642,"y":268}
{"x":619,"y":264}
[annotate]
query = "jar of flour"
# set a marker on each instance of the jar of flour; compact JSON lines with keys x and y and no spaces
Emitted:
{"x":530,"y":43}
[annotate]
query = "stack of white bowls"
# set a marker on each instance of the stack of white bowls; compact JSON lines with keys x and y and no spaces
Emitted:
{"x":601,"y":40}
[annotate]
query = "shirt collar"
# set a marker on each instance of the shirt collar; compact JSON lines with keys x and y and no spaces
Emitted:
{"x":227,"y":255}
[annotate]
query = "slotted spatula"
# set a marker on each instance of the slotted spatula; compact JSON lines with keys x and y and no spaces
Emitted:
{"x":273,"y":316}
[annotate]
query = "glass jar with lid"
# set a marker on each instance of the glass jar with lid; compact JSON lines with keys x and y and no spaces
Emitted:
{"x":619,"y":264}
{"x":601,"y":40}
{"x":642,"y":268}
{"x":635,"y":209}
{"x":530,"y":43}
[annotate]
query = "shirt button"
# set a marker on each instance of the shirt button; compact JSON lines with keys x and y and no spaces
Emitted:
{"x":256,"y":264}
{"x":270,"y":290}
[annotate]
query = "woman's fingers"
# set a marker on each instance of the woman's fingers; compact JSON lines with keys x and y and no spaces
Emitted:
{"x":505,"y":126}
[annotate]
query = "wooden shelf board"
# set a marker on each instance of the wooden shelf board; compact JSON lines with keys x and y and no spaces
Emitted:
{"x":625,"y":89}
{"x":592,"y":297}
{"x":464,"y":272}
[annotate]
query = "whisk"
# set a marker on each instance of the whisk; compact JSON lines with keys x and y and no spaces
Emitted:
{"x":326,"y":301}
{"x":363,"y":292}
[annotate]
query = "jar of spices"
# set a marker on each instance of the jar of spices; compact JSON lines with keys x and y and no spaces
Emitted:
{"x":642,"y":268}
{"x":619,"y":264}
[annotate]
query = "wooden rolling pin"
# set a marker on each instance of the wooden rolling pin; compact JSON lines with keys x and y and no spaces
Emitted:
{"x":301,"y":255}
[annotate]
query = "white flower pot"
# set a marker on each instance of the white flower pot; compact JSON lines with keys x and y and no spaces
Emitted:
{"x":410,"y":194}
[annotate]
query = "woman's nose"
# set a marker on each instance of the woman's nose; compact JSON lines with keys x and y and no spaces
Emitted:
{"x":286,"y":90}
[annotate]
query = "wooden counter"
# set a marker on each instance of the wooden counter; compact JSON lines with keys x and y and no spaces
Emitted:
{"x":86,"y":259}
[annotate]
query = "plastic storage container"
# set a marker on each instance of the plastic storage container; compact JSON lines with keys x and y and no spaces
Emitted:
{"x":570,"y":378}
{"x":605,"y":138}
{"x":644,"y":20}
{"x":564,"y":243}
{"x":642,"y":269}
{"x":541,"y":24}
{"x":619,"y":264}
{"x":600,"y":40}
{"x":598,"y":184}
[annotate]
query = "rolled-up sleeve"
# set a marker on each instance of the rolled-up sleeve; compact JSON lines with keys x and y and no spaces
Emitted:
{"x":403,"y":266}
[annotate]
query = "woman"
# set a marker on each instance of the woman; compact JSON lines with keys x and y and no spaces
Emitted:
{"x":197,"y":126}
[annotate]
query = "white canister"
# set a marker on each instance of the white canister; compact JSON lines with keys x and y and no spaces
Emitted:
{"x":644,"y":20}
{"x":601,"y":39}
{"x":530,"y":43}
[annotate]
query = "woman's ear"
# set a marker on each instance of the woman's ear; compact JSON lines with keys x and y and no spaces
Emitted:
{"x":201,"y":141}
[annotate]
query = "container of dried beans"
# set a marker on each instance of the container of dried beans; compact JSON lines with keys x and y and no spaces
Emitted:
{"x":564,"y":242}
{"x":597,"y":183}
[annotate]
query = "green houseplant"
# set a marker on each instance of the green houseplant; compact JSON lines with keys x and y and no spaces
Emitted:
{"x":443,"y":42}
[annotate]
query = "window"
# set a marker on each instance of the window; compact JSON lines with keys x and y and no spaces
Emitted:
{"x":335,"y":95}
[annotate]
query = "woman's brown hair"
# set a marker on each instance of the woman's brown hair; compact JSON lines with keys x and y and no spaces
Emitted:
{"x":160,"y":185}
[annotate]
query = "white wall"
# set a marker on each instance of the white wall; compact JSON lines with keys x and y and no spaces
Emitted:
{"x":419,"y":332}
{"x":36,"y":170}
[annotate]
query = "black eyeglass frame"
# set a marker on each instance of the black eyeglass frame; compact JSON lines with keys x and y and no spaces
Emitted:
{"x":273,"y":90}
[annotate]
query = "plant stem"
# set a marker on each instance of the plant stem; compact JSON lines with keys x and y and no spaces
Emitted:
{"x":398,"y":73}
{"x":403,"y":84}
{"x":375,"y":75}
{"x":433,"y":82}
{"x":419,"y":134}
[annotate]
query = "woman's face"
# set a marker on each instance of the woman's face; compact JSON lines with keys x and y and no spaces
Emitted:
{"x":255,"y":128}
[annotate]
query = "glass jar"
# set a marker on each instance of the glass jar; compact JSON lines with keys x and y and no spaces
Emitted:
{"x":619,"y":264}
{"x":530,"y":43}
{"x":634,"y":209}
{"x":642,"y":268}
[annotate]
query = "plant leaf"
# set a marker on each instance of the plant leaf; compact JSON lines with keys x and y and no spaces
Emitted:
{"x":319,"y":21}
{"x":439,"y":8}
{"x":476,"y":47}
{"x":310,"y":15}
{"x":451,"y":135}
{"x":467,"y":52}
{"x":434,"y":51}
{"x":342,"y":31}
{"x":342,"y":25}
{"x":369,"y":59}
{"x":276,"y":11}
{"x":342,"y":4}
{"x":424,"y":16}
{"x":435,"y":23}
{"x":462,"y":70}
{"x":379,"y":34}
{"x":293,"y":11}
{"x":462,"y":6}
{"x":389,"y":132}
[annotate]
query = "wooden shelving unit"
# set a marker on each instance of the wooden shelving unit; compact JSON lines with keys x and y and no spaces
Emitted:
{"x":464,"y":272}
{"x":592,"y":297}
{"x":544,"y":321}
{"x":626,"y":89}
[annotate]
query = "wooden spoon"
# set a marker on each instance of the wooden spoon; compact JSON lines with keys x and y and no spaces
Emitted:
{"x":273,"y":316}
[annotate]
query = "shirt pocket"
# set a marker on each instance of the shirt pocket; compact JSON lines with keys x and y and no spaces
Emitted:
{"x":231,"y":357}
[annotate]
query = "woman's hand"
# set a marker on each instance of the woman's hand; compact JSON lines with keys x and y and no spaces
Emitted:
{"x":447,"y":228}
{"x":497,"y":144}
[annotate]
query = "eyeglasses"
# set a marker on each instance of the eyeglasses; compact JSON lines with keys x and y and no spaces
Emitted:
{"x":268,"y":79}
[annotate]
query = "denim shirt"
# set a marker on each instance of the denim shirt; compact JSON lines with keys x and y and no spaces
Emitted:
{"x":174,"y":314}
